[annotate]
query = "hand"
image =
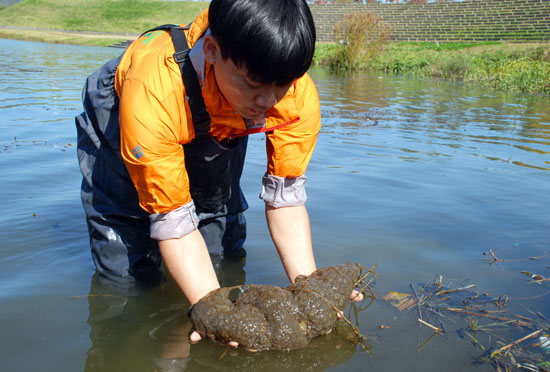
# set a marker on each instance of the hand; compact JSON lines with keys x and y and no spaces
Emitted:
{"x":196,"y":337}
{"x":356,"y":296}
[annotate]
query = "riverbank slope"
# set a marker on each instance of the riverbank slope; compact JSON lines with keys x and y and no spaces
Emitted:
{"x":512,"y":67}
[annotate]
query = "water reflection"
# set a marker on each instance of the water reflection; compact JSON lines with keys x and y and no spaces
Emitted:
{"x":434,"y":120}
{"x":144,"y":326}
{"x":322,"y":353}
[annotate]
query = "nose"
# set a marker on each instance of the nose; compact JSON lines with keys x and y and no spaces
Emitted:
{"x":266,"y":99}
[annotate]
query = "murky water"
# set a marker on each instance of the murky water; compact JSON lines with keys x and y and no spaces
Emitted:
{"x":419,"y":177}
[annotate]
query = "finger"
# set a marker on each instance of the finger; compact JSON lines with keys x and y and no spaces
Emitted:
{"x":195,"y":337}
{"x":356,"y":296}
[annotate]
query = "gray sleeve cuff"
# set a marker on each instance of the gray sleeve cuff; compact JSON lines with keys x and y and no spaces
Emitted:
{"x":174,"y":224}
{"x":283,"y":192}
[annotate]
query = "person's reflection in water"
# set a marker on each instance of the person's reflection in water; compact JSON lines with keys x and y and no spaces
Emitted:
{"x":143,"y":325}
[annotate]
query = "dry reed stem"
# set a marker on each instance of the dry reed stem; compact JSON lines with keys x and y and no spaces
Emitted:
{"x":417,"y":301}
{"x":516,"y":322}
{"x":430,"y":326}
{"x":96,"y":295}
{"x":454,"y":290}
{"x":362,"y":279}
{"x":440,"y":284}
{"x":495,"y":259}
{"x":474,"y":340}
{"x":367,"y":273}
{"x":504,"y":348}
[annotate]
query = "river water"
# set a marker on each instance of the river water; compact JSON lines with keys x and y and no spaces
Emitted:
{"x":422,"y":178}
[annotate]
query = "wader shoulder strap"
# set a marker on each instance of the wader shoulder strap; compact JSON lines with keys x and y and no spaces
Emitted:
{"x":201,"y":119}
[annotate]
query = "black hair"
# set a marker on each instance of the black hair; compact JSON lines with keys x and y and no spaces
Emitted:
{"x":273,"y":40}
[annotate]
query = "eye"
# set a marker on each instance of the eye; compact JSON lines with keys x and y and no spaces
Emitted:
{"x":253,"y":85}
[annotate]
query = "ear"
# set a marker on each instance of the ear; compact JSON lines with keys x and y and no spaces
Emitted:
{"x":210,"y":49}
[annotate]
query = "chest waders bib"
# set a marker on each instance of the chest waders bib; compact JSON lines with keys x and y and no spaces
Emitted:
{"x":119,"y":229}
{"x":206,"y":160}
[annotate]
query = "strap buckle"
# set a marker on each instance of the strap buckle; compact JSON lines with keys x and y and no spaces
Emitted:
{"x":180,"y":56}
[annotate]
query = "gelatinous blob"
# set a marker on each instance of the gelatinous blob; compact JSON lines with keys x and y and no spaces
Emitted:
{"x":273,"y":318}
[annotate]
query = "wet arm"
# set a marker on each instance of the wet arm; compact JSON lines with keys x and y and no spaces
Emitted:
{"x":290,"y":231}
{"x":188,"y":261}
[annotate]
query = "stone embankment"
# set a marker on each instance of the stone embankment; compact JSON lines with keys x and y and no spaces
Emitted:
{"x":480,"y":20}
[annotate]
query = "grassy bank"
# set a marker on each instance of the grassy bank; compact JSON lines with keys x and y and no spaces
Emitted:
{"x":504,"y":66}
{"x":110,"y":22}
{"x":513,"y":67}
{"x":118,"y":16}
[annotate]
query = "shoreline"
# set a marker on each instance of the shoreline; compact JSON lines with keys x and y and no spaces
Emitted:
{"x":56,"y":36}
{"x":521,"y":68}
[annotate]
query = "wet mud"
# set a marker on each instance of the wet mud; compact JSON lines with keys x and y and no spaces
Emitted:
{"x":273,"y":318}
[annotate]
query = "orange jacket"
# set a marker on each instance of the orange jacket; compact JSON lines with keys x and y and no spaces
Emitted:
{"x":155,"y":121}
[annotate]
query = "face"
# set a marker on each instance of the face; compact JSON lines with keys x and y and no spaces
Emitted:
{"x":248,"y":98}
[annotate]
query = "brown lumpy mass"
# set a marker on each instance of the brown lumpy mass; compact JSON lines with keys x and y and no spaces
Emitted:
{"x":273,"y":318}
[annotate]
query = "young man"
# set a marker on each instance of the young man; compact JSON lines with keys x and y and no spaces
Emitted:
{"x":162,"y":160}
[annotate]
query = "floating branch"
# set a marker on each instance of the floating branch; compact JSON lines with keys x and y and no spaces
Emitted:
{"x":504,"y":348}
{"x":96,"y":295}
{"x":494,"y":258}
{"x":430,"y":326}
{"x":362,"y":280}
{"x":512,"y":321}
{"x":445,"y":291}
{"x":417,"y":302}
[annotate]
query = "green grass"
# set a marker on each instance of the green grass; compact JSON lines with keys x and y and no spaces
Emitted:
{"x":124,"y":16}
{"x":504,"y":66}
{"x":514,"y":67}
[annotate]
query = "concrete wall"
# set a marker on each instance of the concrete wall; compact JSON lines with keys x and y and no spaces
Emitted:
{"x":479,"y":20}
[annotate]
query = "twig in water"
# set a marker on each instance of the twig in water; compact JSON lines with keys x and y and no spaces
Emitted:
{"x":439,"y":314}
{"x":504,"y":348}
{"x":417,"y":302}
{"x":516,"y":322}
{"x":445,"y":291}
{"x":225,"y":352}
{"x":431,"y":326}
{"x":428,"y":341}
{"x":475,"y":341}
{"x":439,"y":284}
{"x":495,"y":259}
{"x":96,"y":295}
{"x":367,"y":285}
{"x":361,"y":280}
{"x":531,"y":298}
{"x":369,"y":271}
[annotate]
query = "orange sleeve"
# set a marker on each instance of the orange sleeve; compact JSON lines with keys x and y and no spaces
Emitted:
{"x":152,"y":130}
{"x":289,"y":148}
